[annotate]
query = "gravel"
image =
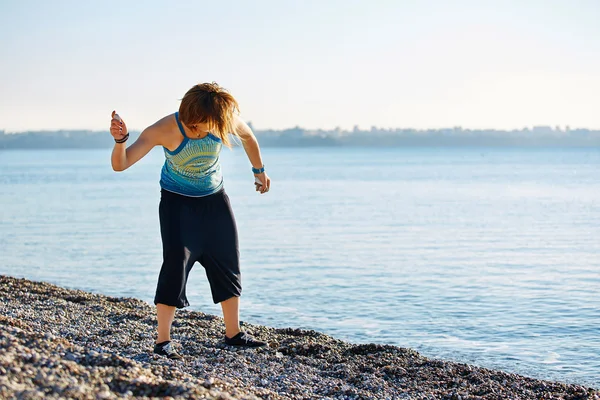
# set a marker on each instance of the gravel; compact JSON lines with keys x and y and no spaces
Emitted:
{"x":58,"y":343}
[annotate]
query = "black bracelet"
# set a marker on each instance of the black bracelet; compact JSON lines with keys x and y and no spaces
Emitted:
{"x":123,"y":140}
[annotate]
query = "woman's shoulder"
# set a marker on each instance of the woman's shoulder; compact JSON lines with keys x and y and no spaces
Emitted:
{"x":162,"y":132}
{"x":165,"y":126}
{"x":166,"y":123}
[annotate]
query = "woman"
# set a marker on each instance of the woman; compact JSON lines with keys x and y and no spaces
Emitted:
{"x":196,"y":220}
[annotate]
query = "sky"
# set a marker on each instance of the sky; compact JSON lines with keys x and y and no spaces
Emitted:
{"x":478,"y":64}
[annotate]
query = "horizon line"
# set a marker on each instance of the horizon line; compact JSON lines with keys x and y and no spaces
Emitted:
{"x":555,"y":128}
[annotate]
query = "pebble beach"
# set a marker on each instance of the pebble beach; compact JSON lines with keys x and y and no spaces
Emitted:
{"x":59,"y":343}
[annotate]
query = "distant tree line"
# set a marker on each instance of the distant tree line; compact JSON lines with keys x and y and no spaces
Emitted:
{"x":541,"y":136}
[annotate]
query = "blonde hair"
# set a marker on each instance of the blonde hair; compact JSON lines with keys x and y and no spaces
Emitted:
{"x":211,"y":104}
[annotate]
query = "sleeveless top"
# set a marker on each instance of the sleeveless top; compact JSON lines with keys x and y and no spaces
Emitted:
{"x":193,"y":168}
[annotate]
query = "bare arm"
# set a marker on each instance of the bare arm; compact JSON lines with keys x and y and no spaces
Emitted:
{"x":253,"y":152}
{"x":124,"y":157}
{"x":249,"y":142}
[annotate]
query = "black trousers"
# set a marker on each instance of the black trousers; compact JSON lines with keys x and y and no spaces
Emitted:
{"x":201,"y":229}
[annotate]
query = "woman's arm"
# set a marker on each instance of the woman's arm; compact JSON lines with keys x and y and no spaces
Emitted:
{"x":124,"y":157}
{"x":253,"y":152}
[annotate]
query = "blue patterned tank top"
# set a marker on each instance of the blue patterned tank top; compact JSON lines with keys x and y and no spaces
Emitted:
{"x":193,"y":168}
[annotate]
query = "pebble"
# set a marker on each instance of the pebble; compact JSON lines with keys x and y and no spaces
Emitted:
{"x":103,"y":395}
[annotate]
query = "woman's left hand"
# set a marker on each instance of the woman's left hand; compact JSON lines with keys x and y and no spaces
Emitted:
{"x":265,"y":182}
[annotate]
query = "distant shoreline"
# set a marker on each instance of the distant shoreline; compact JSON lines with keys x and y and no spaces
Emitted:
{"x":71,"y":343}
{"x":541,"y":137}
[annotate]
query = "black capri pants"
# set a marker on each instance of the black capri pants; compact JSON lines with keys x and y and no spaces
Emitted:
{"x":201,"y":229}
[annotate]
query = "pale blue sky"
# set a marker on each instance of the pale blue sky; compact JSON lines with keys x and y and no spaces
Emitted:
{"x":318,"y":64}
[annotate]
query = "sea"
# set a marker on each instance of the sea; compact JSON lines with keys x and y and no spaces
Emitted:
{"x":487,"y":256}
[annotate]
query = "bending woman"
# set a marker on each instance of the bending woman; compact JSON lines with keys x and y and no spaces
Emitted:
{"x":196,"y":220}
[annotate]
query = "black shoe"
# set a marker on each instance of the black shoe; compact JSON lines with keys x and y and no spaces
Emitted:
{"x":166,"y":349}
{"x":243,"y":339}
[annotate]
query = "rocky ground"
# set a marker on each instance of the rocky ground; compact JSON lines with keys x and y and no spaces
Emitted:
{"x":59,"y":343}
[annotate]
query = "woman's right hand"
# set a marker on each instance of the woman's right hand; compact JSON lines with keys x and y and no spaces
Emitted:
{"x":118,"y":129}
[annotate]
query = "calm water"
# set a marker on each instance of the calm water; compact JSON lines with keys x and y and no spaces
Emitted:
{"x":478,"y":255}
